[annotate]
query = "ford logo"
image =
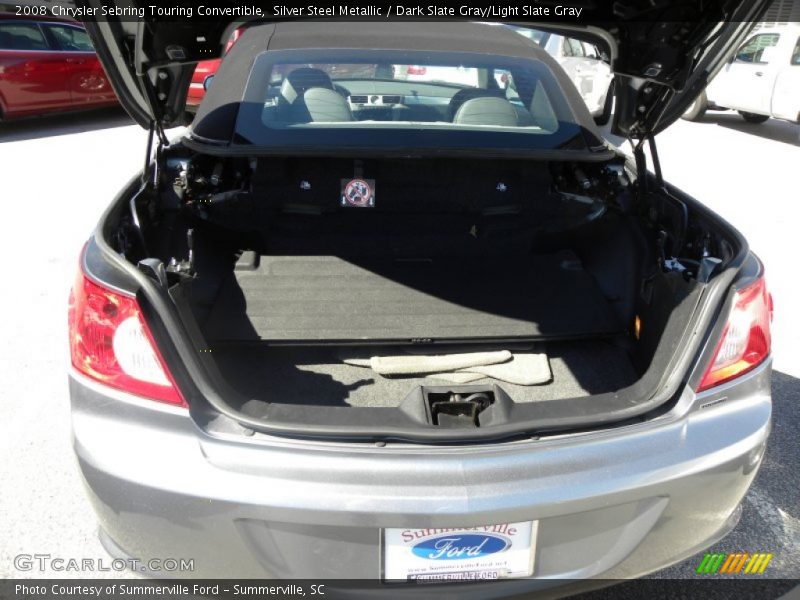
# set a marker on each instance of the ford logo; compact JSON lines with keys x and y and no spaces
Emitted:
{"x":454,"y":547}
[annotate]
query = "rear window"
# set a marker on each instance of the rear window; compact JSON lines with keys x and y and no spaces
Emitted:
{"x":21,"y":36}
{"x":70,"y":39}
{"x":753,"y":50}
{"x":403,"y":98}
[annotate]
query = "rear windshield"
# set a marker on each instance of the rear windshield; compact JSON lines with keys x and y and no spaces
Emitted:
{"x":375,"y":98}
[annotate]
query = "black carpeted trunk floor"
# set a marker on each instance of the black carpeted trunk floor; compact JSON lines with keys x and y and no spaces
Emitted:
{"x":325,"y":298}
{"x":317,"y":375}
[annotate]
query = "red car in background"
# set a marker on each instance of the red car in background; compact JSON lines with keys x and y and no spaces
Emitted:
{"x":48,"y":66}
{"x":197,"y":88}
{"x":204,"y":70}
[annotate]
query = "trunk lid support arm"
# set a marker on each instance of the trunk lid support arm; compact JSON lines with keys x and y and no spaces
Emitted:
{"x":653,"y":203}
{"x":152,"y":164}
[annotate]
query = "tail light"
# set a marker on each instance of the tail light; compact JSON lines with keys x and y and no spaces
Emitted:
{"x":416,"y":70}
{"x":746,"y":339}
{"x":110,"y":343}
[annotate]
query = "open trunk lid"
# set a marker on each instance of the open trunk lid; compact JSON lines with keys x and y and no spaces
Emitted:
{"x":663,"y":52}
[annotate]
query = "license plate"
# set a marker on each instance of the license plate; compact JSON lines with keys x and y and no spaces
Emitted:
{"x":460,"y":554}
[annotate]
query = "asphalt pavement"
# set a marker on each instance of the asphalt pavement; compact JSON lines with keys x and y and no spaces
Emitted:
{"x":59,"y":173}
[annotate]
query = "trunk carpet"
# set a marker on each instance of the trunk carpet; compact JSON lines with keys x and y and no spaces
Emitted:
{"x":317,"y":376}
{"x":325,"y":298}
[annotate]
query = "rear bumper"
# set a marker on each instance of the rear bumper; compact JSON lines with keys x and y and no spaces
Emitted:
{"x":612,"y":504}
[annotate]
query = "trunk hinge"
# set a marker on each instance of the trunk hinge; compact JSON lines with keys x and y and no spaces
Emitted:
{"x":151,"y":173}
{"x":151,"y":176}
{"x":670,"y":232}
{"x":184,"y":269}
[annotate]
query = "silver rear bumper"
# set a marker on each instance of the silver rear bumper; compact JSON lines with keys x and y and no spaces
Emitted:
{"x":612,"y":504}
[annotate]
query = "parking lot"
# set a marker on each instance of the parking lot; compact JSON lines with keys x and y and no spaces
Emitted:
{"x":59,"y":174}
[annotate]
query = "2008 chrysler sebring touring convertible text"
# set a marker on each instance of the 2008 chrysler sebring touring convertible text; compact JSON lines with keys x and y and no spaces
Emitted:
{"x":413,"y":327}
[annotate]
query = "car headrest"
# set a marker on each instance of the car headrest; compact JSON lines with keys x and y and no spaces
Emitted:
{"x":321,"y":105}
{"x":466,"y":94}
{"x":541,"y":110}
{"x":299,"y":81}
{"x":487,"y":111}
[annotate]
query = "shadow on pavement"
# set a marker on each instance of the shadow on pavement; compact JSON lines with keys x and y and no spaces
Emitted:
{"x":63,"y":124}
{"x":775,"y":130}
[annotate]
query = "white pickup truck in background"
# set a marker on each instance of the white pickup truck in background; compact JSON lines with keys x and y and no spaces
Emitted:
{"x":762,"y":79}
{"x":584,"y":64}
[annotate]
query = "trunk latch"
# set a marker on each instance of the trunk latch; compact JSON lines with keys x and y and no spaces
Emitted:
{"x":455,"y":410}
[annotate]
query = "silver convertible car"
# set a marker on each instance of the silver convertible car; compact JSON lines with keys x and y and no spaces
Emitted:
{"x":352,"y":325}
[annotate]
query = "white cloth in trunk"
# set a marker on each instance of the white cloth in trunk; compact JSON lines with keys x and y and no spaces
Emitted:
{"x":523,"y":369}
{"x":520,"y":368}
{"x":419,"y":365}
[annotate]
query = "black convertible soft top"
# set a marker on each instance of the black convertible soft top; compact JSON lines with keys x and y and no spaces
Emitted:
{"x":216,"y":118}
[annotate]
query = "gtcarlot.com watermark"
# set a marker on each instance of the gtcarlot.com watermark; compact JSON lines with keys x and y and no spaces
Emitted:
{"x":48,"y":562}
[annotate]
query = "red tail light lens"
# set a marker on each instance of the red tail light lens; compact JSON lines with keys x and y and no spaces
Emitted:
{"x":746,"y":339}
{"x":110,"y":342}
{"x":416,"y":70}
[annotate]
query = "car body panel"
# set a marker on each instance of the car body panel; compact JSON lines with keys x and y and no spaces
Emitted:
{"x":614,"y":503}
{"x":48,"y":78}
{"x":618,"y":496}
{"x":763,"y":77}
{"x":33,"y":82}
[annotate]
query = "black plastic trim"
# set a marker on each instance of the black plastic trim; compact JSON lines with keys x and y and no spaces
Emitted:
{"x":223,"y":149}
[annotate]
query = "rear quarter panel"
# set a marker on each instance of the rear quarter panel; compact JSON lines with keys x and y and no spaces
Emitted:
{"x":87,"y":81}
{"x":33,"y":81}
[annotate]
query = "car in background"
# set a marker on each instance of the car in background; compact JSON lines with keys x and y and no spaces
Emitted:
{"x":584,"y":63}
{"x":762,"y":79}
{"x":48,"y":66}
{"x":201,"y":78}
{"x":453,"y":75}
